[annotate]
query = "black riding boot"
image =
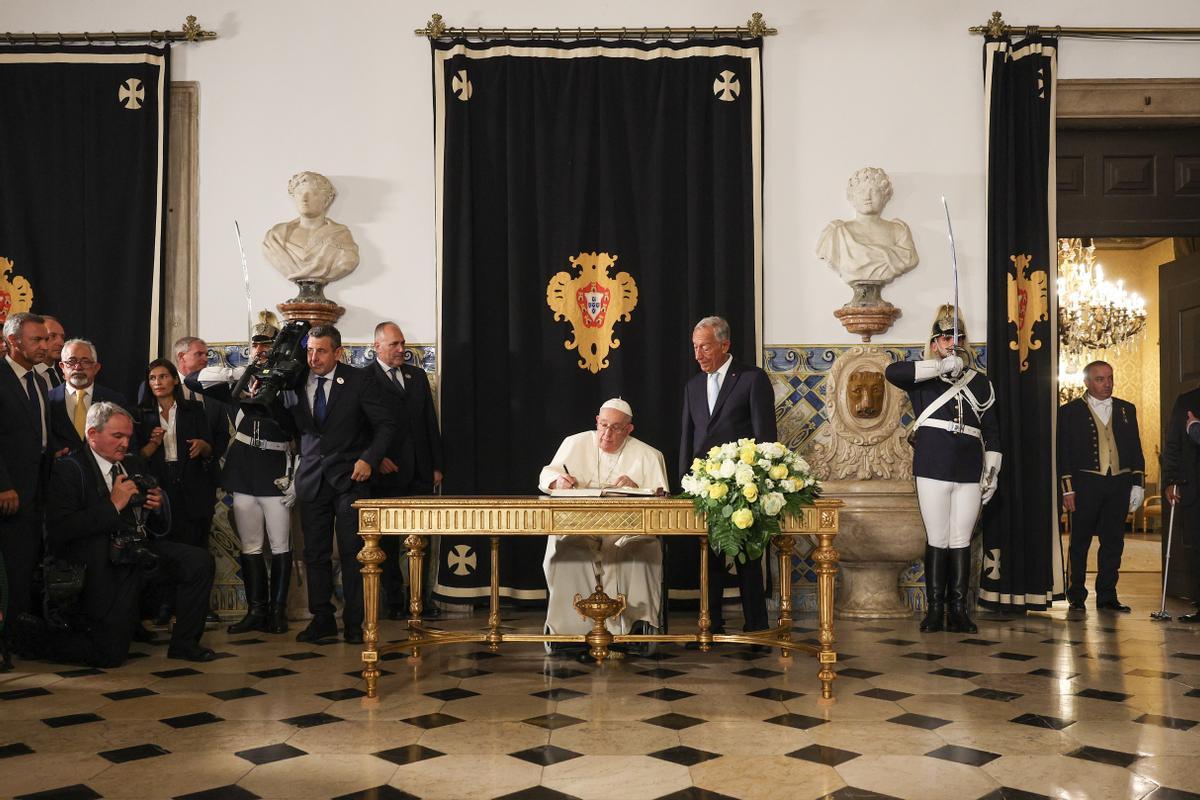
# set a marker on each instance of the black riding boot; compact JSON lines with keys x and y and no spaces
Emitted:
{"x":281,"y":577}
{"x":958,"y":620}
{"x":254,"y":575}
{"x":935,"y":588}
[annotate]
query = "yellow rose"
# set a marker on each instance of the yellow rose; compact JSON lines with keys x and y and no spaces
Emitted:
{"x":779,"y":471}
{"x":748,"y":455}
{"x":714,"y":452}
{"x":750,"y":491}
{"x":742,"y":518}
{"x":717,"y":491}
{"x":712,"y":467}
{"x":696,"y":465}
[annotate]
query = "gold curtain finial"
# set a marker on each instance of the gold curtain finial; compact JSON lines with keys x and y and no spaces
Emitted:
{"x":433,"y":29}
{"x":995,"y":25}
{"x":191,"y":28}
{"x":755,"y":25}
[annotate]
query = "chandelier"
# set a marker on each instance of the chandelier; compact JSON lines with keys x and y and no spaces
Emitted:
{"x":1094,"y":314}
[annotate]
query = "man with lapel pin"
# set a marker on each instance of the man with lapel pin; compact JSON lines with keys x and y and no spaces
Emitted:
{"x":345,"y":430}
{"x":70,"y":400}
{"x":727,"y":401}
{"x":23,"y":438}
{"x":413,"y":464}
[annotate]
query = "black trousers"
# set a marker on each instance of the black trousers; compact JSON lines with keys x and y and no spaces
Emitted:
{"x":750,"y":586}
{"x":184,"y":573}
{"x":1101,"y":505}
{"x":326,"y":517}
{"x":392,"y":546}
{"x":21,"y":545}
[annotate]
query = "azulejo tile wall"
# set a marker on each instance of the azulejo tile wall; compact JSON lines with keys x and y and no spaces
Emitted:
{"x":799,"y":375}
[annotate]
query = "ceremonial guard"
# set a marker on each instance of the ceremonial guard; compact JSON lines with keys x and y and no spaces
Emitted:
{"x":258,"y":472}
{"x":956,"y":462}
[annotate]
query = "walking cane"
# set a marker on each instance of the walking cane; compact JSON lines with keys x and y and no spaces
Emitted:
{"x":1161,"y":614}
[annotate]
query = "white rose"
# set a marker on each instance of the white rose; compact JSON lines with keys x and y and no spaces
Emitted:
{"x":763,"y":464}
{"x":688,"y":483}
{"x":773,"y":503}
{"x":744,"y":474}
{"x":788,"y":485}
{"x":770,"y":484}
{"x":728,"y":467}
{"x":702,"y":487}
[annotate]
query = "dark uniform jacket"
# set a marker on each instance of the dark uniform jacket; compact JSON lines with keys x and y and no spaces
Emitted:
{"x":62,"y":429}
{"x":745,"y":409}
{"x":416,"y":447}
{"x":1079,"y":441}
{"x":941,"y":454}
{"x":1181,"y":457}
{"x":192,"y":487}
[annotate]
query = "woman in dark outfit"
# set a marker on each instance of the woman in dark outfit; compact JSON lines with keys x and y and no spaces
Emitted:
{"x":956,"y":460}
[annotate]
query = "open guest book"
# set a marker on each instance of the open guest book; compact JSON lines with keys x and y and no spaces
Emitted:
{"x":607,"y":491}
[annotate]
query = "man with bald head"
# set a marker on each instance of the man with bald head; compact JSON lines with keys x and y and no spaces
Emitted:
{"x":607,"y":457}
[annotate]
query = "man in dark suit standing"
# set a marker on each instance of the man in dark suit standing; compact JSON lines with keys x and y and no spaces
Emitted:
{"x":91,"y":498}
{"x":345,"y":430}
{"x":727,"y":401}
{"x":70,"y":400}
{"x":1102,"y":473}
{"x":49,"y":368}
{"x":23,"y":438}
{"x":413,"y":464}
{"x":1181,"y":475}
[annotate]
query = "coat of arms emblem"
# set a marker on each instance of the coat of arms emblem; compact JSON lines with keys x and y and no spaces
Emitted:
{"x":593,"y":302}
{"x":1028,"y":304}
{"x":16,"y":295}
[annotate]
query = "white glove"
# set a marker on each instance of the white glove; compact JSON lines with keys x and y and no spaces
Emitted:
{"x":1136,"y":495}
{"x":991,"y":474}
{"x":950,"y":365}
{"x":289,"y":495}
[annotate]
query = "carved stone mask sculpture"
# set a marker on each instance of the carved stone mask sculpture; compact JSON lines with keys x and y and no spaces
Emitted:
{"x":865,"y":391}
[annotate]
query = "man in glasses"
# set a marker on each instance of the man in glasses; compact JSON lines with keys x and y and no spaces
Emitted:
{"x":607,"y":457}
{"x":71,"y":399}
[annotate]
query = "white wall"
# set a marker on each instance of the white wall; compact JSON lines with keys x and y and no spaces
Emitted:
{"x":343,"y":88}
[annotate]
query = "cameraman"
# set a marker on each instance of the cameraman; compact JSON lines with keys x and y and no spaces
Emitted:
{"x":92,"y":501}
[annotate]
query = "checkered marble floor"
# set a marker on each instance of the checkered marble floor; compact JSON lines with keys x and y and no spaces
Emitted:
{"x":1101,"y":707}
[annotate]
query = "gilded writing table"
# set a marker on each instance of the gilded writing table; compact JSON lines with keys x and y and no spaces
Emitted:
{"x":418,"y":517}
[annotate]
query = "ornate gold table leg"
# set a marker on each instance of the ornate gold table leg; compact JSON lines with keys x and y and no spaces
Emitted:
{"x":826,"y":558}
{"x":598,"y":607}
{"x":784,"y":543}
{"x":494,"y":637}
{"x":705,"y":636}
{"x":416,"y":558}
{"x":371,"y":556}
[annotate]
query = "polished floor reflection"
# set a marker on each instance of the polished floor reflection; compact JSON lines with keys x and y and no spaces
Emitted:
{"x":1106,"y":706}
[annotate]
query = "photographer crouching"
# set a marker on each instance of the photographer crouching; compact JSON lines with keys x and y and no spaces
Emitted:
{"x":104,"y":512}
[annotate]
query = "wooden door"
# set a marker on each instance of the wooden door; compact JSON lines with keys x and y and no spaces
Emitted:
{"x":1179,"y":338}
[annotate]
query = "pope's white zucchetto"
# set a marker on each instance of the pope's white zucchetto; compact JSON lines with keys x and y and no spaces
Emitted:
{"x":617,"y":404}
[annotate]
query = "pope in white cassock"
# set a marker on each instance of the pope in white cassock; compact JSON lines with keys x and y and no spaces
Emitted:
{"x":630,"y":565}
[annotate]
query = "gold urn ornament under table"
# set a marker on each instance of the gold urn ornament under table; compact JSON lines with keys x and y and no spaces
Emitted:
{"x":415,"y":518}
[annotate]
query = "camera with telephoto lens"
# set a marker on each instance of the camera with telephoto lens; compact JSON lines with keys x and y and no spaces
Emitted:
{"x":282,"y":370}
{"x":128,"y":546}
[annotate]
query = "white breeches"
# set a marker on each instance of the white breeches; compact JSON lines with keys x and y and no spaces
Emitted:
{"x":949,"y":511}
{"x":253,"y":514}
{"x":575,"y":564}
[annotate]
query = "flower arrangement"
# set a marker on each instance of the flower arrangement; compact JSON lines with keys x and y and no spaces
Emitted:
{"x":744,"y":488}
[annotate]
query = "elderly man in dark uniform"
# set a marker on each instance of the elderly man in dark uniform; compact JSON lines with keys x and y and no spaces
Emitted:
{"x":1102,"y":474}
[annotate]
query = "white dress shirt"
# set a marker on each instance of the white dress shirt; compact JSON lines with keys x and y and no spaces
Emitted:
{"x":166,"y":421}
{"x":72,"y":395}
{"x":1101,"y":408}
{"x":106,"y":469}
{"x":310,"y":388}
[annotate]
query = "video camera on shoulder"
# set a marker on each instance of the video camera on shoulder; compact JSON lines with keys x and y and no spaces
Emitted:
{"x":128,"y":546}
{"x":283,"y":368}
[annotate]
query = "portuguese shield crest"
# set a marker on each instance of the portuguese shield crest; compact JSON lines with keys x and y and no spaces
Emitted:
{"x":1028,"y":304}
{"x":16,"y":295}
{"x":593,"y":302}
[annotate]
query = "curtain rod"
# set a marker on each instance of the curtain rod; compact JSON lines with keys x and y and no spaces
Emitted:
{"x":996,"y":26}
{"x":191,"y":32}
{"x":436,"y":29}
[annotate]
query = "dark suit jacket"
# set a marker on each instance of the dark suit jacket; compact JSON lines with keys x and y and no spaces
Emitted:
{"x":417,"y":444}
{"x":358,"y":425}
{"x":1078,"y":441}
{"x":62,"y":429}
{"x":80,"y":519}
{"x":195,"y":495}
{"x":21,"y":460}
{"x":745,"y":408}
{"x":1181,"y":457}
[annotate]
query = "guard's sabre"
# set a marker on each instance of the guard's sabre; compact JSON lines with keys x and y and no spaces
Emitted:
{"x":954,"y":262}
{"x":246,"y":280}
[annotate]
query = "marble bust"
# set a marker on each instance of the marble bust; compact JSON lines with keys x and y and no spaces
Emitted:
{"x":311,"y":250}
{"x":868,"y":247}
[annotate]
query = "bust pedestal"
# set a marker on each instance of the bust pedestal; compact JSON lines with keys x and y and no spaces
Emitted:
{"x":311,"y":305}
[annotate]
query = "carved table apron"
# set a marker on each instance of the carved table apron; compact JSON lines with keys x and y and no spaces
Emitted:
{"x":418,"y":517}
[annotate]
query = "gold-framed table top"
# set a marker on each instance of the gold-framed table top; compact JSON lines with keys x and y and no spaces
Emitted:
{"x":541,"y":515}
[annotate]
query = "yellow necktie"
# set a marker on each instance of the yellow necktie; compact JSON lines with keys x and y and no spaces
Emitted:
{"x":79,"y":418}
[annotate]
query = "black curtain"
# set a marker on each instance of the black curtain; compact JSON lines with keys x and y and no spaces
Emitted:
{"x":649,"y":153}
{"x":82,"y":191}
{"x":1020,"y":524}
